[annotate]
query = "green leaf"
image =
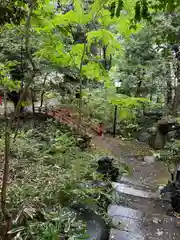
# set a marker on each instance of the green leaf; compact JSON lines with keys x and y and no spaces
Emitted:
{"x":76,"y":54}
{"x":138,"y":11}
{"x":112,"y":9}
{"x":119,"y":8}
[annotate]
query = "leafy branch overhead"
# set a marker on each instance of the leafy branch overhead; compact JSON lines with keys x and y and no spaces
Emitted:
{"x":61,"y":28}
{"x":144,"y":9}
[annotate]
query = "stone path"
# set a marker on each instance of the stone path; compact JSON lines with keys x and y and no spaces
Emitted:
{"x":141,"y":214}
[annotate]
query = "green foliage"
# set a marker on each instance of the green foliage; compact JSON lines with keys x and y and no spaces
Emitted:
{"x":143,"y":9}
{"x":97,"y":105}
{"x":106,"y":38}
{"x":47,"y":167}
{"x":60,"y":223}
{"x":60,"y":47}
{"x":12,"y":11}
{"x":5,"y":82}
{"x":170,"y":155}
{"x":48,"y":171}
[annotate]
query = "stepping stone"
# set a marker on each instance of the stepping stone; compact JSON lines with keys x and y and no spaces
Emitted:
{"x":123,"y":235}
{"x":126,"y":219}
{"x":115,"y":210}
{"x":127,"y":224}
{"x":143,"y":225}
{"x":133,"y":183}
{"x":149,"y":159}
{"x":126,"y":189}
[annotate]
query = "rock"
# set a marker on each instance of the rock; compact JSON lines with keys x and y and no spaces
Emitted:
{"x":96,"y":227}
{"x":149,"y":159}
{"x":175,"y":197}
{"x":152,"y":130}
{"x":156,"y":220}
{"x":178,"y":133}
{"x":167,"y":124}
{"x":163,"y":126}
{"x":158,"y":141}
{"x":159,"y":232}
{"x":171,"y":135}
{"x":84,"y":141}
{"x":166,"y":192}
{"x":156,"y":115}
{"x":169,"y":119}
{"x":143,"y":136}
{"x":171,"y":192}
{"x":106,"y":168}
{"x":124,"y":235}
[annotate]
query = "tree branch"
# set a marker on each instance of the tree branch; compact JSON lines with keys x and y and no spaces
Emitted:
{"x":5,"y":211}
{"x":80,"y":90}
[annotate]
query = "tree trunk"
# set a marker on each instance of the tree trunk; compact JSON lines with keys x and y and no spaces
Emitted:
{"x":157,"y":99}
{"x":32,"y":101}
{"x":43,"y":92}
{"x":79,"y":107}
{"x":138,"y":91}
{"x":9,"y":123}
{"x":80,"y":91}
{"x":151,"y":97}
{"x":4,"y":209}
{"x":176,"y":101}
{"x":169,"y":92}
{"x":107,"y":62}
{"x":178,"y":174}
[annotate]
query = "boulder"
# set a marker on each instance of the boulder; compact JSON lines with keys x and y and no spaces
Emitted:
{"x":149,"y":159}
{"x":171,"y":193}
{"x":155,"y":115}
{"x":106,"y":168}
{"x":171,"y":135}
{"x":175,"y":197}
{"x":84,"y":142}
{"x":163,"y":126}
{"x":167,"y":124}
{"x":152,"y":130}
{"x":143,"y":136}
{"x":158,"y":141}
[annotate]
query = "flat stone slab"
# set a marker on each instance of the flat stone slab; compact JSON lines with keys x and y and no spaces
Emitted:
{"x":143,"y":225}
{"x":123,"y":235}
{"x":126,"y":189}
{"x":126,"y":219}
{"x":132,"y":183}
{"x":115,"y":210}
{"x":127,"y":224}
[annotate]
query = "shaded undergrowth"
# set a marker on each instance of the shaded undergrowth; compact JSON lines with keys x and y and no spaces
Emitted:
{"x":47,"y":169}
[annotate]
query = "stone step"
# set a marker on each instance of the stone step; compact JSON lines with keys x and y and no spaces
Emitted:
{"x":131,"y":190}
{"x":123,"y":235}
{"x":131,"y":182}
{"x":145,"y":196}
{"x":144,"y":225}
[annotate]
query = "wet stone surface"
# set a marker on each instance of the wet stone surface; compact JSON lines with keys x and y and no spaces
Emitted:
{"x":142,"y":225}
{"x":139,"y":213}
{"x":129,"y":190}
{"x":142,"y":215}
{"x":123,"y":235}
{"x":152,"y":205}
